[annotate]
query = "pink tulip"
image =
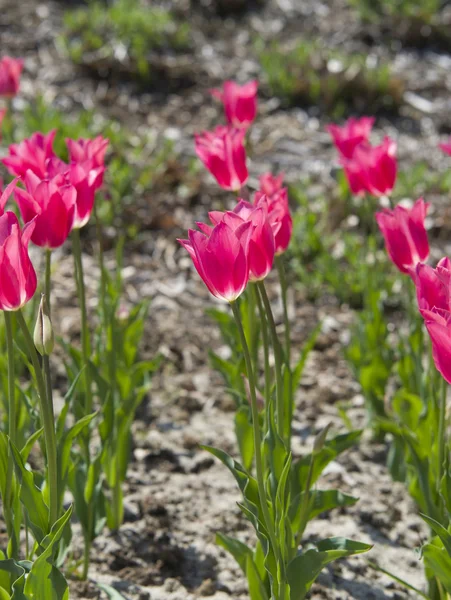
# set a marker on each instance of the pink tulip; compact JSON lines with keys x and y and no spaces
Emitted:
{"x":17,"y":276}
{"x":433,"y":285}
{"x":83,"y":150}
{"x":270,"y":184}
{"x":90,"y":153}
{"x":31,"y":154}
{"x":221,"y":258}
{"x":240,"y":102}
{"x":85,"y":179}
{"x":405,"y":236}
{"x":222,"y":152}
{"x":353,"y":133}
{"x":261,"y":245}
{"x":51,"y":204}
{"x":438,"y":324}
{"x":279,"y":217}
{"x":372,"y":169}
{"x":10,"y":72}
{"x":446,"y":147}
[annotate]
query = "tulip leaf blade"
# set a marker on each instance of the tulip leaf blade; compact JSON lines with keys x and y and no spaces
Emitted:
{"x":303,"y":570}
{"x":31,"y":497}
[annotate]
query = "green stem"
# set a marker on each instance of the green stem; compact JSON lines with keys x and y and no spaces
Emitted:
{"x":441,"y":432}
{"x":85,"y":341}
{"x":277,"y":358}
{"x":256,"y":431}
{"x":47,"y":284}
{"x":86,"y":351}
{"x":12,"y":431}
{"x":305,"y":503}
{"x":265,"y":338}
{"x":283,"y":288}
{"x":47,"y":420}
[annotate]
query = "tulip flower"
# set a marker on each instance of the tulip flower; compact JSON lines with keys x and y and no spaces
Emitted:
{"x":222,"y":152}
{"x":438,"y":324}
{"x":221,"y":258}
{"x":270,"y":184}
{"x":240,"y":102}
{"x":90,"y":153}
{"x":83,"y":150}
{"x":85,"y":179}
{"x":433,"y":285}
{"x":51,"y":204}
{"x":10,"y":72}
{"x":372,"y":169}
{"x":405,"y":236}
{"x":31,"y":154}
{"x":352,"y":134}
{"x":17,"y":275}
{"x":279,"y":217}
{"x":446,"y":147}
{"x":261,"y":244}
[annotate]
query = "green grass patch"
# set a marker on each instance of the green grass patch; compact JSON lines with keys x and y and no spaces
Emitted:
{"x":122,"y":36}
{"x":310,"y":74}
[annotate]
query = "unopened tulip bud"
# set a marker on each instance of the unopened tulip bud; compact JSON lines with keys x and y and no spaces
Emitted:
{"x":43,"y":332}
{"x":320,"y":439}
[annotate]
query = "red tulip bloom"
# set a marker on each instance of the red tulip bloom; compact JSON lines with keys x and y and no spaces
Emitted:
{"x":433,"y":285}
{"x":405,"y":236}
{"x":261,"y":245}
{"x":240,"y":102}
{"x":83,"y":150}
{"x":446,"y":147}
{"x":353,"y":133}
{"x":279,"y":217}
{"x":31,"y":154}
{"x":51,"y":204}
{"x":222,"y":152}
{"x":17,"y":275}
{"x":10,"y":71}
{"x":270,"y":184}
{"x":438,"y":324}
{"x":90,"y":153}
{"x":85,"y":179}
{"x":221,"y":258}
{"x":372,"y":169}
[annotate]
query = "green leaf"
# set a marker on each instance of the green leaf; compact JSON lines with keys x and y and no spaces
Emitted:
{"x":32,"y":498}
{"x":244,"y":435}
{"x":439,"y":562}
{"x":111,"y":592}
{"x":237,"y":549}
{"x":3,"y":463}
{"x":25,"y":452}
{"x":320,"y":501}
{"x":12,"y":575}
{"x":331,"y":449}
{"x":44,"y":579}
{"x":247,"y":484}
{"x":303,"y":570}
{"x":257,"y":589}
{"x":442,"y":533}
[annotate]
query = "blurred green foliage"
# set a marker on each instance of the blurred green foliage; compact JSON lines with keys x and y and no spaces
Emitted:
{"x":423,"y":10}
{"x":310,"y":74}
{"x":124,"y":31}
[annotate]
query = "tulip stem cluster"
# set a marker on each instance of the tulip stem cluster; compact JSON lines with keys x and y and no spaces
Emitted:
{"x":256,"y":429}
{"x":12,"y":427}
{"x":48,"y":420}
